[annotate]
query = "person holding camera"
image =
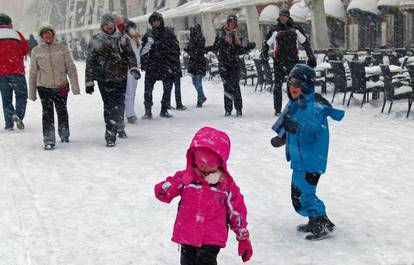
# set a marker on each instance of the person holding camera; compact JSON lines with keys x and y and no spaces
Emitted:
{"x":228,"y":47}
{"x":110,"y":59}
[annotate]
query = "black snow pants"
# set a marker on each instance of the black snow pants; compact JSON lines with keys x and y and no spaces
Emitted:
{"x":232,"y":93}
{"x":204,"y":255}
{"x":282,"y":67}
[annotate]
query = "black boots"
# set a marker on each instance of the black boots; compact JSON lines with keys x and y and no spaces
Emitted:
{"x":148,"y":114}
{"x":319,"y":227}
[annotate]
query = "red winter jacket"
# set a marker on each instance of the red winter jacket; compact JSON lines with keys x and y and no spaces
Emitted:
{"x":205,"y":212}
{"x":13,"y":48}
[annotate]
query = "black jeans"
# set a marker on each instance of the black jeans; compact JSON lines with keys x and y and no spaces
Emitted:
{"x":177,"y":91}
{"x":232,"y":93}
{"x":113,"y":96}
{"x":50,"y":101}
{"x":204,"y":255}
{"x":166,"y":96}
{"x":282,"y":67}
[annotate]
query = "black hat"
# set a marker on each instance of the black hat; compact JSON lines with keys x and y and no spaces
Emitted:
{"x":155,"y":16}
{"x":5,"y":19}
{"x":129,"y":25}
{"x":232,"y":18}
{"x":107,"y":19}
{"x":284,"y":12}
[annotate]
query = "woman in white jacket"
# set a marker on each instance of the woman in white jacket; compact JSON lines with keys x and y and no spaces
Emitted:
{"x":132,"y":34}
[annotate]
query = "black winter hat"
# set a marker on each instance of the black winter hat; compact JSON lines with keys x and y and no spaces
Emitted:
{"x":232,"y":18}
{"x":284,"y":12}
{"x":129,"y":25}
{"x":5,"y":19}
{"x":155,"y":16}
{"x":107,"y":19}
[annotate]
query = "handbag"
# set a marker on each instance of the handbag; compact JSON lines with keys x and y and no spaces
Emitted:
{"x":63,"y":90}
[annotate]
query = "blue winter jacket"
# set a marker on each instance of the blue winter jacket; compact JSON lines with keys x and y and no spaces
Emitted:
{"x":307,"y":149}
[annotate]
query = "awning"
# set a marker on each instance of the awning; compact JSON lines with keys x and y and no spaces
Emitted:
{"x":406,"y":5}
{"x":388,"y":6}
{"x":300,"y":12}
{"x":365,"y":6}
{"x":269,"y":14}
{"x":335,"y":8}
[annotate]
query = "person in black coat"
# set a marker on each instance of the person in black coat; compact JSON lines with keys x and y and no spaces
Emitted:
{"x":228,"y":47}
{"x":109,"y":57}
{"x":196,"y":49}
{"x":284,"y":38}
{"x":160,"y":59}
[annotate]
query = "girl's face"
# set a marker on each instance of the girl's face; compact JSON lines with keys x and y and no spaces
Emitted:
{"x":206,"y":169}
{"x":132,"y":32}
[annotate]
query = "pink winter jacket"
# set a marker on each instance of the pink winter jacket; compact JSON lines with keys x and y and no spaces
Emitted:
{"x":205,"y":212}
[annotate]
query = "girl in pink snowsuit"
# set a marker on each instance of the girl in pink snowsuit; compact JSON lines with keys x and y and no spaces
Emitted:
{"x":210,"y":201}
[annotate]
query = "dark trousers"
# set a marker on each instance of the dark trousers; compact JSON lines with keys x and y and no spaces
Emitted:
{"x":177,"y":91}
{"x":232,"y":93}
{"x":281,"y":69}
{"x":166,"y":96}
{"x":113,"y":96}
{"x":51,"y":101}
{"x":8,"y":85}
{"x":204,"y":255}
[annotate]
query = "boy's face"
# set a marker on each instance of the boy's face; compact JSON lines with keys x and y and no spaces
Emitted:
{"x":206,"y":169}
{"x":48,"y":37}
{"x":109,"y":28}
{"x":294,"y":88}
{"x":156,"y":24}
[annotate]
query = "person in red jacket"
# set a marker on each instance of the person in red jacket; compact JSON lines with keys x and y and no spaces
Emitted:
{"x":13,"y":48}
{"x":210,"y":204}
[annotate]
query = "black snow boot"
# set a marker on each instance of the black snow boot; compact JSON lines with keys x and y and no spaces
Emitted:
{"x":321,"y":228}
{"x":164,"y":113}
{"x":148,"y":114}
{"x":122,"y":134}
{"x":306,"y":228}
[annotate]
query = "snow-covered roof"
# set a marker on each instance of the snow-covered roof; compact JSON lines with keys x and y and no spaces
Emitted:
{"x":334,"y":8}
{"x":406,"y":4}
{"x":389,"y":2}
{"x":370,"y":6}
{"x":300,"y":12}
{"x":269,"y":14}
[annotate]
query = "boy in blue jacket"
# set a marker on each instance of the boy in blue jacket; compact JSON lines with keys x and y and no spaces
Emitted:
{"x":303,"y":128}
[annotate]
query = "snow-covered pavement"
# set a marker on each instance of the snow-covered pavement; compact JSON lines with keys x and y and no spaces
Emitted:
{"x":85,"y":204}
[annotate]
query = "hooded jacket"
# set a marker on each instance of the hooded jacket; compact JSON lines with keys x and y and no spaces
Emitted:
{"x":205,"y":212}
{"x":196,"y":49}
{"x":13,"y":48}
{"x":109,"y":58}
{"x":307,"y":149}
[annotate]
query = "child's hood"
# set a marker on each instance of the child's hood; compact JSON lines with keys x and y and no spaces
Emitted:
{"x":213,"y":139}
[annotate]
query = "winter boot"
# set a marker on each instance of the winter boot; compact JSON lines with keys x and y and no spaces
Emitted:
{"x":181,"y":107}
{"x":165,"y":114}
{"x":49,"y":147}
{"x":239,"y":113}
{"x":321,"y":228}
{"x":148,"y":113}
{"x":122,"y":134}
{"x":132,"y":119}
{"x":64,"y":139}
{"x":306,"y":228}
{"x":227,"y":113}
{"x":18,"y":121}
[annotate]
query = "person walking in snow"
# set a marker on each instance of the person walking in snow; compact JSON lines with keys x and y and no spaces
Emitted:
{"x":303,"y":128}
{"x":159,"y":54}
{"x":110,"y":59}
{"x":13,"y":48}
{"x":133,"y":36}
{"x":197,"y":67}
{"x":50,"y":65}
{"x":210,"y":201}
{"x":228,"y":47}
{"x":32,"y":43}
{"x":284,"y":39}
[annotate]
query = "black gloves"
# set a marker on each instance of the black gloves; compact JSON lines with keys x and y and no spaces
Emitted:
{"x":277,"y":141}
{"x":289,"y":125}
{"x":251,"y":45}
{"x":89,"y":89}
{"x":136,"y":74}
{"x":312,"y":61}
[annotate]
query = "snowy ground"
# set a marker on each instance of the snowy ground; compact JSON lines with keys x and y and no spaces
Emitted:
{"x":87,"y":204}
